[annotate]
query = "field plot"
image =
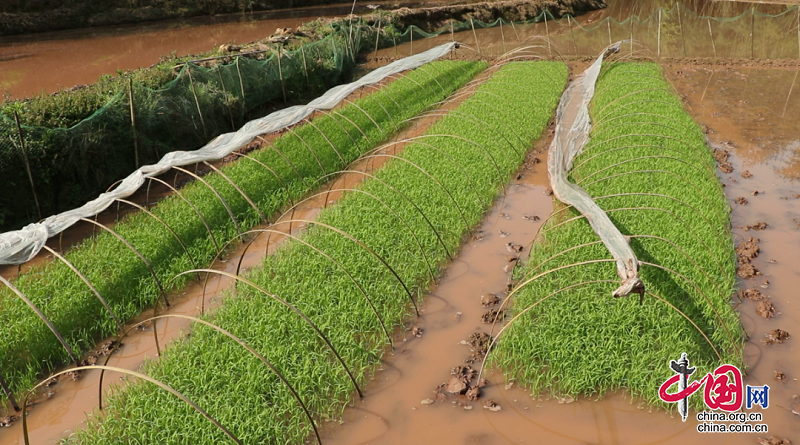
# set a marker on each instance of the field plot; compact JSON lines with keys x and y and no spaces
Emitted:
{"x":647,"y":165}
{"x":437,"y":189}
{"x":186,"y":230}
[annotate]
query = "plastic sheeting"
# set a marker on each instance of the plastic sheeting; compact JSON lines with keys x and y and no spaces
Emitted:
{"x":572,"y":132}
{"x":20,"y":246}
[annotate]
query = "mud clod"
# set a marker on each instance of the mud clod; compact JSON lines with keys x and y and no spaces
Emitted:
{"x":776,"y":336}
{"x":108,"y":347}
{"x":473,"y":393}
{"x":8,"y":421}
{"x":492,"y":316}
{"x":548,"y":192}
{"x":748,"y":250}
{"x":741,"y":201}
{"x":503,"y":234}
{"x":531,"y":218}
{"x":90,"y":360}
{"x":752,"y":294}
{"x":721,"y":155}
{"x":489,"y":300}
{"x":427,"y":402}
{"x":746,"y":174}
{"x":772,"y":440}
{"x":456,"y":385}
{"x":747,"y":271}
{"x":514,"y":247}
{"x":417,"y":331}
{"x":479,"y":346}
{"x":756,"y":226}
{"x":779,"y":376}
{"x":765,"y":309}
{"x":491,"y":405}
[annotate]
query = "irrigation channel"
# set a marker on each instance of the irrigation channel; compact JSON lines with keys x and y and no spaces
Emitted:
{"x":747,"y":111}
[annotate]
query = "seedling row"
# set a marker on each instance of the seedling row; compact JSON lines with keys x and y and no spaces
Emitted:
{"x":648,"y":166}
{"x":414,"y":213}
{"x":132,"y":267}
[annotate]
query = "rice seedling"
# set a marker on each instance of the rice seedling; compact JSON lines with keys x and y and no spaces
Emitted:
{"x":130,"y":265}
{"x":236,"y":388}
{"x":647,"y":165}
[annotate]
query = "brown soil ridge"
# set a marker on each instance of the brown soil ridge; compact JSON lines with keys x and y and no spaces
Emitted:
{"x":432,"y":19}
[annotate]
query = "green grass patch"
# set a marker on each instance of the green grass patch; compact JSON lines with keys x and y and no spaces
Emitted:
{"x":239,"y":390}
{"x":580,"y":341}
{"x":29,"y":349}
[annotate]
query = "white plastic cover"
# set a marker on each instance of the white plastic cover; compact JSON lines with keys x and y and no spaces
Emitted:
{"x":20,"y":246}
{"x":572,"y":132}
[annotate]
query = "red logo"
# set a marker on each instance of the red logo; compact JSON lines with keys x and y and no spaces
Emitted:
{"x":723,"y":388}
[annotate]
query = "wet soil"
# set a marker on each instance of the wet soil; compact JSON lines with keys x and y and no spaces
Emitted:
{"x":61,"y":406}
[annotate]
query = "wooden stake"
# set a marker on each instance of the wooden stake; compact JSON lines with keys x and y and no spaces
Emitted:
{"x":547,"y":32}
{"x":133,"y":124}
{"x":710,"y":34}
{"x":196,"y":100}
{"x":658,"y":51}
{"x":27,"y":164}
{"x":502,"y":35}
{"x":474,"y":34}
{"x":241,"y":85}
{"x":752,"y":31}
{"x":631,"y":20}
{"x":411,"y":32}
{"x":377,"y":37}
{"x":227,"y":103}
{"x":514,"y":28}
{"x":572,"y":33}
{"x":305,"y":66}
{"x":680,"y":25}
{"x":280,"y":74}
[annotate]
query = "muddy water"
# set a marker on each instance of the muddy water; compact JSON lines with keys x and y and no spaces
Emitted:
{"x":752,"y":113}
{"x":34,"y":63}
{"x":61,"y":408}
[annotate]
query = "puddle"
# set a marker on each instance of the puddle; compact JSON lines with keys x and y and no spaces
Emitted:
{"x":60,"y":408}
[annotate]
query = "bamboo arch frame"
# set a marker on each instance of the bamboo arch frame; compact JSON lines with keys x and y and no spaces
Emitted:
{"x":137,"y":253}
{"x":238,"y":340}
{"x":288,"y":305}
{"x":134,"y":374}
